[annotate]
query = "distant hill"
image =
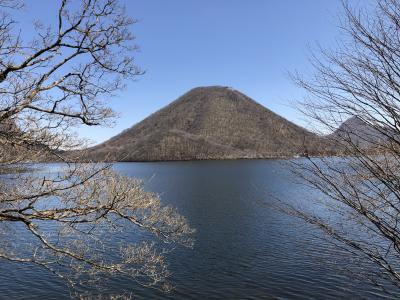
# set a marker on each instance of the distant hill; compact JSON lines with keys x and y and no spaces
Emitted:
{"x":18,"y":146}
{"x":355,"y":131}
{"x":209,"y":123}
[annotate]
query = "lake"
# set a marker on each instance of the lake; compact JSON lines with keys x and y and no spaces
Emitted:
{"x":244,"y":248}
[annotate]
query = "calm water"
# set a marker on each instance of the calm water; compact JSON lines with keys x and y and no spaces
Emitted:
{"x":244,"y":249}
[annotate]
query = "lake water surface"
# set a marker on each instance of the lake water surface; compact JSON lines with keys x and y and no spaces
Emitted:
{"x":244,"y":249}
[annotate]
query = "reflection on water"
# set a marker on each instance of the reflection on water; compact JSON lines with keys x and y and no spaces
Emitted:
{"x":243,"y":250}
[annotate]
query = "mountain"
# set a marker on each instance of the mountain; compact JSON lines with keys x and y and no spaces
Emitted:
{"x":208,"y":123}
{"x":17,"y":145}
{"x":357,"y":132}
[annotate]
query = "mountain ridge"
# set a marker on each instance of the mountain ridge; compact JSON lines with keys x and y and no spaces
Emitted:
{"x":356,"y":132}
{"x":212,"y":122}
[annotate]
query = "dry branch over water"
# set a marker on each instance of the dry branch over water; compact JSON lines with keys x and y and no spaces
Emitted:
{"x":63,"y":219}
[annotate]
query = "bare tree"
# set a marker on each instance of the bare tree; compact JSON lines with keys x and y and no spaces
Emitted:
{"x":359,"y":82}
{"x":63,"y":220}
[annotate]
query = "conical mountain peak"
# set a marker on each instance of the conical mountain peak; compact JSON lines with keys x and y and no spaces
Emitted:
{"x":212,"y":122}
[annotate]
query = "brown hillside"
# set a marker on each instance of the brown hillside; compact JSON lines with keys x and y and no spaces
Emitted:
{"x":208,"y":123}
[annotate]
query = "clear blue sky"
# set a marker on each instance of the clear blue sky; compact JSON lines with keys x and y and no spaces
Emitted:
{"x":250,"y":45}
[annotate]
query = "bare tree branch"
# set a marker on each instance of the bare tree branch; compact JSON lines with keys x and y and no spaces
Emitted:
{"x":360,"y":82}
{"x":63,"y":220}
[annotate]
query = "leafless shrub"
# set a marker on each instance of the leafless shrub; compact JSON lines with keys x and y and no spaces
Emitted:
{"x":360,"y":193}
{"x":63,"y":220}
